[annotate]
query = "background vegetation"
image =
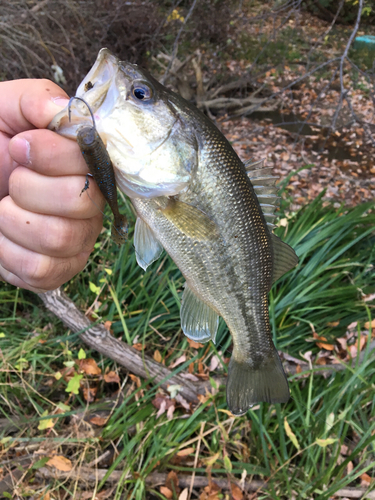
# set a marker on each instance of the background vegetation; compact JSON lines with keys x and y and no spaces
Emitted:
{"x":74,"y":424}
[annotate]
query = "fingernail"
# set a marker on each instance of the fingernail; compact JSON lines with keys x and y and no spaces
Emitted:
{"x":19,"y":150}
{"x":60,"y":101}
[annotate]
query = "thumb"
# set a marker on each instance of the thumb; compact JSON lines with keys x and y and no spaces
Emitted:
{"x":27,"y":104}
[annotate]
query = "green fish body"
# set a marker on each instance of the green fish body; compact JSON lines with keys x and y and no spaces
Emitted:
{"x":210,"y":212}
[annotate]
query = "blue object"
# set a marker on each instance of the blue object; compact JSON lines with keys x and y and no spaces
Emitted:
{"x":365,"y":42}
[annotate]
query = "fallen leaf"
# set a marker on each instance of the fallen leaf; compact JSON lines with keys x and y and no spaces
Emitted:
{"x":166,"y":492}
{"x":236,"y":492}
{"x":214,"y":363}
{"x":291,"y":434}
{"x":172,"y":482}
{"x":185,"y":452}
{"x":157,"y":356}
{"x":170,"y":412}
{"x":107,"y":325}
{"x":74,"y":383}
{"x":135,"y":379}
{"x":366,"y":479}
{"x":46,"y":423}
{"x":180,"y":399}
{"x":100,"y":421}
{"x":184,"y":494}
{"x":323,"y":345}
{"x":178,"y":361}
{"x":138,"y":346}
{"x":211,"y":460}
{"x":60,"y":463}
{"x":325,"y":442}
{"x":333,"y":323}
{"x":195,"y":345}
{"x":349,"y":467}
{"x":89,"y":367}
{"x":111,"y":378}
{"x":89,"y":393}
{"x":367,"y":324}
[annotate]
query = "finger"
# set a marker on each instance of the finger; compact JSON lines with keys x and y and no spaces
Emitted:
{"x":29,"y":103}
{"x":46,"y":234}
{"x":37,"y":270}
{"x":14,"y":280}
{"x":7,"y":165}
{"x":58,"y":196}
{"x":48,"y":153}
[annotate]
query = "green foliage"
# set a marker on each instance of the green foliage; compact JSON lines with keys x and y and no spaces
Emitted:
{"x":294,"y":447}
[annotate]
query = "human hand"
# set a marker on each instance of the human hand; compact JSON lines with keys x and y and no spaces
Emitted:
{"x":47,"y":230}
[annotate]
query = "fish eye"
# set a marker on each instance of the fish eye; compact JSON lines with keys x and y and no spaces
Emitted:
{"x":142,"y":92}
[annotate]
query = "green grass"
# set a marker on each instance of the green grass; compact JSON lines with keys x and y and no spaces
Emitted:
{"x":336,"y":251}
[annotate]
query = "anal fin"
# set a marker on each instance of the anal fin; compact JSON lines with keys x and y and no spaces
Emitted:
{"x":284,"y":257}
{"x":199,"y":322}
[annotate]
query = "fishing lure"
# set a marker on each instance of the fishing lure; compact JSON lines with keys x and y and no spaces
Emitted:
{"x":100,"y":166}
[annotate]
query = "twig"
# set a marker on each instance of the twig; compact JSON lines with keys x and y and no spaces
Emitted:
{"x":97,"y":337}
{"x":158,"y":479}
{"x":343,"y":92}
{"x":175,"y":45}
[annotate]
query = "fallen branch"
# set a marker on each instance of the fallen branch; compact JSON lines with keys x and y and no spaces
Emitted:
{"x":155,"y":479}
{"x":97,"y":337}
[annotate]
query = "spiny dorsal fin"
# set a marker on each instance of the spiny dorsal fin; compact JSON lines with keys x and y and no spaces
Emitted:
{"x":264,"y":186}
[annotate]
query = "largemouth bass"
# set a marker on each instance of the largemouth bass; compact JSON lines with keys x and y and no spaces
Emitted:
{"x":196,"y":199}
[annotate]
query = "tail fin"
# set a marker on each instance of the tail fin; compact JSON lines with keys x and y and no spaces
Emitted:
{"x":250,"y":383}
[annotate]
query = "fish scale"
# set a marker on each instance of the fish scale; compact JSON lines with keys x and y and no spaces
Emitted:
{"x":195,"y":199}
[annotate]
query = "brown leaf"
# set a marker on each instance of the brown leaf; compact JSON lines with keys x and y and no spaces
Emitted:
{"x":321,"y":361}
{"x":100,"y":421}
{"x":135,"y":379}
{"x":160,"y":399}
{"x":333,"y":323}
{"x":236,"y":492}
{"x":367,"y":324}
{"x":89,"y":393}
{"x":366,"y":479}
{"x":195,"y":345}
{"x":178,"y":361}
{"x":157,"y":356}
{"x":185,"y":452}
{"x":107,"y":325}
{"x":60,"y":463}
{"x":170,"y":412}
{"x":89,"y":367}
{"x":323,"y":345}
{"x":111,"y":378}
{"x":298,"y":369}
{"x":349,"y":467}
{"x":166,"y":492}
{"x":172,"y":482}
{"x":138,"y":346}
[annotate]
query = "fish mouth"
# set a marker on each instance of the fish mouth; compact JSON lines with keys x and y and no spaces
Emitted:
{"x":93,"y":89}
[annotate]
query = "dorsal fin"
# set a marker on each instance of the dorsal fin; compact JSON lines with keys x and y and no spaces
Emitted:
{"x":264,"y":186}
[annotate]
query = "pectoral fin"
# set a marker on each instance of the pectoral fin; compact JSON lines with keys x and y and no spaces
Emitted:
{"x":198,"y":321}
{"x":285,"y":257}
{"x":190,"y":220}
{"x":147,"y":247}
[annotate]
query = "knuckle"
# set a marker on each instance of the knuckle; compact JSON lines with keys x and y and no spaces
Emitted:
{"x":57,"y":237}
